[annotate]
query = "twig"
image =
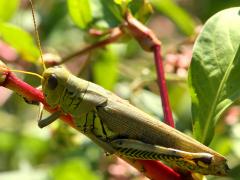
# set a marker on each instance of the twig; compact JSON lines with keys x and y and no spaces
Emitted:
{"x":150,"y":42}
{"x":162,"y":86}
{"x":116,"y":33}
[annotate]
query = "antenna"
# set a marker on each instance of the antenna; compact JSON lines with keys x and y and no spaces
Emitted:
{"x":37,"y":35}
{"x":26,"y":72}
{"x":39,"y":46}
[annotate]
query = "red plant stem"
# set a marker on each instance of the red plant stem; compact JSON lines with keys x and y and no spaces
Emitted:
{"x":149,"y":42}
{"x":30,"y":93}
{"x":163,"y":173}
{"x":152,"y":169}
{"x":23,"y":89}
{"x":116,"y":33}
{"x":168,"y":119}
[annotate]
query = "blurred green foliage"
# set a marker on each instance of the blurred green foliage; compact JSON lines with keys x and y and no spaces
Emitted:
{"x":170,"y":9}
{"x":12,"y":7}
{"x":20,"y":40}
{"x":59,"y":152}
{"x":81,"y":15}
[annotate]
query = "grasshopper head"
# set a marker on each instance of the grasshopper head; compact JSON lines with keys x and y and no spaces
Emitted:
{"x":53,"y":84}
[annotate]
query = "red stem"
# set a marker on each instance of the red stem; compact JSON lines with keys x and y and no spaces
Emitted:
{"x":161,"y":171}
{"x":31,"y":94}
{"x":149,"y":42}
{"x":168,"y":119}
{"x":116,"y":33}
{"x":25,"y":90}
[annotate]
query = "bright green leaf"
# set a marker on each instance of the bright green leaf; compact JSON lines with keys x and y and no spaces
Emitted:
{"x":33,"y":147}
{"x":106,"y":13}
{"x":112,"y":12}
{"x":141,"y":9}
{"x":177,"y":14}
{"x":80,"y":12}
{"x":122,"y":1}
{"x":8,"y":8}
{"x":7,"y":141}
{"x":20,"y":40}
{"x":73,"y":169}
{"x":105,"y":68}
{"x":215,"y":72}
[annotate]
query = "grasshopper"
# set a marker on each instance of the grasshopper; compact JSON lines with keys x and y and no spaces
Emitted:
{"x":119,"y":127}
{"x":122,"y":129}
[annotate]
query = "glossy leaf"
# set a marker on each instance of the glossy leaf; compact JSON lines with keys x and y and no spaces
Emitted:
{"x":214,"y":72}
{"x":7,"y":9}
{"x":21,"y":40}
{"x":182,"y":19}
{"x":111,"y":12}
{"x":105,"y":68}
{"x":80,"y":12}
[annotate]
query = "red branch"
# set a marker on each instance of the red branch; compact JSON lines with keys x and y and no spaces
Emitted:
{"x":115,"y":34}
{"x":149,"y":42}
{"x":162,"y":86}
{"x":152,"y":169}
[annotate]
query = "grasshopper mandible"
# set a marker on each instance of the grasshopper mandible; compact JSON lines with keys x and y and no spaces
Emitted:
{"x":119,"y":127}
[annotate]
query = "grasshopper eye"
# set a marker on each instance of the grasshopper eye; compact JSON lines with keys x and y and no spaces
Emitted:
{"x":52,"y":82}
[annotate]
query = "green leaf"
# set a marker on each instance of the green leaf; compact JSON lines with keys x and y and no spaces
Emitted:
{"x":112,"y":12}
{"x":7,"y":141}
{"x":177,"y":14}
{"x":141,"y":9}
{"x":21,"y":40}
{"x":235,"y":172}
{"x":33,"y":148}
{"x":80,"y":12}
{"x":105,"y":68}
{"x":73,"y":169}
{"x":214,"y":74}
{"x":124,"y":2}
{"x":7,"y":9}
{"x":107,"y":14}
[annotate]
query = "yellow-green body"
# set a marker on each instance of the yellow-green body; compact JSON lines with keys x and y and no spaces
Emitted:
{"x":119,"y":127}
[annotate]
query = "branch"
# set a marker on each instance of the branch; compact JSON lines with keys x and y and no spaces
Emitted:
{"x":162,"y":86}
{"x":115,"y":34}
{"x":149,"y":42}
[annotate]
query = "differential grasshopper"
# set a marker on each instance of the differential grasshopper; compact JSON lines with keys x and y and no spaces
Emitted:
{"x":122,"y":129}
